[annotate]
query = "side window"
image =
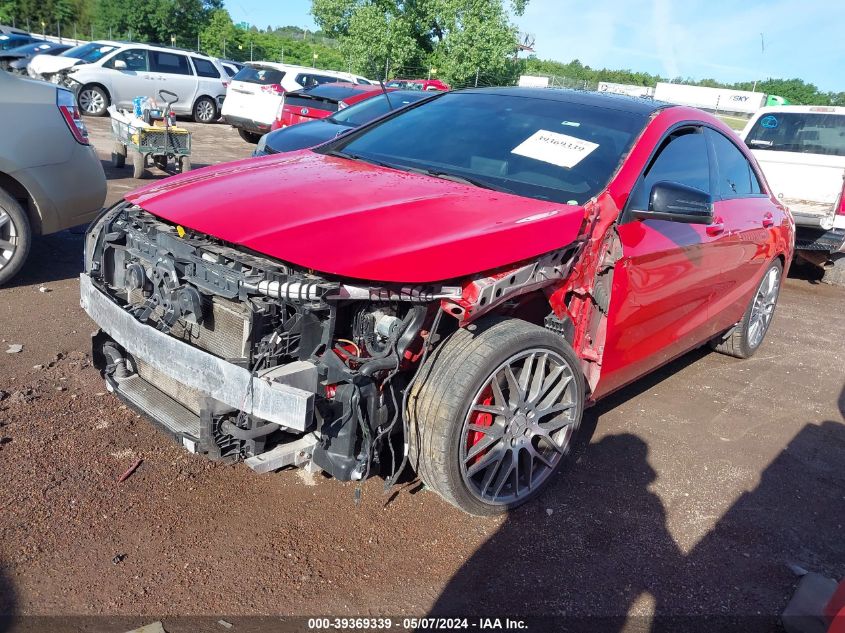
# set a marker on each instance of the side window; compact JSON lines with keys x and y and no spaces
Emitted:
{"x":134,"y":58}
{"x":171,"y":63}
{"x":682,"y":159}
{"x":205,"y":68}
{"x":736,"y":177}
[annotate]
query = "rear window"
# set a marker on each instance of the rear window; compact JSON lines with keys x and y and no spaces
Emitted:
{"x":801,"y":132}
{"x":205,"y":68}
{"x":299,"y":100}
{"x":540,"y":148}
{"x":259,"y":75}
{"x":370,"y":109}
{"x":308,"y":80}
{"x":334,"y":92}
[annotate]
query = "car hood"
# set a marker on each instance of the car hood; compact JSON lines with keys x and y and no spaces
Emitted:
{"x":304,"y":135}
{"x":357,"y":220}
{"x":48,"y":64}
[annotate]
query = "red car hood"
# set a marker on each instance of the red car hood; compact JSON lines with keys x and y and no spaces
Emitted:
{"x":354,"y":219}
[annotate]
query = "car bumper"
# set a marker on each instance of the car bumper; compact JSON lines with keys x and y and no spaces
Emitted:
{"x":818,"y":239}
{"x":219,"y":383}
{"x":248,"y":125}
{"x":66,"y":194}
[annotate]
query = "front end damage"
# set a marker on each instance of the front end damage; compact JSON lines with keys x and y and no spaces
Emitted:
{"x":240,"y":356}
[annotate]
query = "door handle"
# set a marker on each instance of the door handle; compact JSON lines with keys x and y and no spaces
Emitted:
{"x":768,"y":221}
{"x":717,"y":228}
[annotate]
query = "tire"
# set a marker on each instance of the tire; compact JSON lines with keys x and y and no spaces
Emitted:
{"x":205,"y":110}
{"x":15,"y":237}
{"x":139,"y":167}
{"x":834,"y":272}
{"x":249,"y":137}
{"x":184,"y":164}
{"x":742,"y":340}
{"x":92,"y":100}
{"x":118,"y":155}
{"x":456,"y":380}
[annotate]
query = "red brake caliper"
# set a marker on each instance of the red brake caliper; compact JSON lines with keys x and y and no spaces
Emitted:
{"x":480,"y":418}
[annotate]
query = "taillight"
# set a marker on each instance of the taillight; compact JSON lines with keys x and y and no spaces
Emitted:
{"x":67,"y":106}
{"x":226,"y":84}
{"x":840,"y":206}
{"x":273,"y":89}
{"x":341,"y":105}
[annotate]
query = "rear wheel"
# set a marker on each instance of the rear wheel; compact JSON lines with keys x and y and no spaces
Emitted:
{"x":118,"y":155}
{"x":139,"y":165}
{"x":205,"y":110}
{"x":745,"y":337}
{"x":249,"y":137}
{"x":494,"y":414}
{"x":184,"y":164}
{"x":834,"y":271}
{"x":15,"y":237}
{"x":93,"y":100}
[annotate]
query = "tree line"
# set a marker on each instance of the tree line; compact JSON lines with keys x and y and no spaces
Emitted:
{"x":464,"y":42}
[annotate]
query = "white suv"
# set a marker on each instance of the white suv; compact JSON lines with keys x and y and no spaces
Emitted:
{"x":117,"y":72}
{"x":256,"y":93}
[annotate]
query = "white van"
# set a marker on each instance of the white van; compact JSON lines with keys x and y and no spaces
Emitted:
{"x":801,"y":150}
{"x":256,"y":93}
{"x":105,"y":73}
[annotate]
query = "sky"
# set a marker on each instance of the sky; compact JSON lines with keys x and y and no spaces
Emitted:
{"x":719,"y":39}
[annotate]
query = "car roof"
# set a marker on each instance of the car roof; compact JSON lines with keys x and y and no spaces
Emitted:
{"x":815,"y":109}
{"x":637,"y":105}
{"x":310,"y":69}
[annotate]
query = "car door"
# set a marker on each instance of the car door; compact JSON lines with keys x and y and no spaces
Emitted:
{"x":668,"y":272}
{"x":173,"y":73}
{"x":747,"y":215}
{"x":129,"y":75}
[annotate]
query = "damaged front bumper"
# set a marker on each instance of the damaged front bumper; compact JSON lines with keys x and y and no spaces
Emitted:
{"x":220,"y":383}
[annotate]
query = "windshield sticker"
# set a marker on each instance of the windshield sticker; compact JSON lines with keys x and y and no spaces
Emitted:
{"x":571,"y":123}
{"x":770,"y":122}
{"x":558,"y":149}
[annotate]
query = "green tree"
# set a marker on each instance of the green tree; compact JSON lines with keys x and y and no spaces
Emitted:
{"x":462,"y":37}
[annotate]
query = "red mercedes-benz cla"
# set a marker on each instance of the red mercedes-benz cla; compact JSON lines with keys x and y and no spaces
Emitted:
{"x":447,"y":286}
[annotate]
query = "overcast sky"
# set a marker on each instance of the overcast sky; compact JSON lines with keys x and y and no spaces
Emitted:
{"x":688,"y":38}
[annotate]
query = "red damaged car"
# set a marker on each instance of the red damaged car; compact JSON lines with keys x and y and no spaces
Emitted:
{"x":448,"y":286}
{"x":322,"y":101}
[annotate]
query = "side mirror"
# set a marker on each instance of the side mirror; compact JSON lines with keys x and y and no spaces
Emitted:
{"x":119,"y":64}
{"x":675,"y":202}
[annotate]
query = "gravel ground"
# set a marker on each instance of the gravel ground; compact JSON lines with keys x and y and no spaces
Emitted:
{"x":692,"y":491}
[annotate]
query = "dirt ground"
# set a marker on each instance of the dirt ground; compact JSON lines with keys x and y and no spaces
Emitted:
{"x":692,"y":493}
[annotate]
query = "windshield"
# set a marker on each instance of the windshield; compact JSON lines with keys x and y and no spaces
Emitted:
{"x":8,"y":42}
{"x":541,"y":148}
{"x":802,"y":132}
{"x":373,"y":108}
{"x":90,"y":52}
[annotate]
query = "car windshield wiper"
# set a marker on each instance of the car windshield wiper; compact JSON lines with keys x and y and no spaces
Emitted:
{"x":466,"y":180}
{"x":340,"y":154}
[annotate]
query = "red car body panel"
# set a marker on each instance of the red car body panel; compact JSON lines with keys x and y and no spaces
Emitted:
{"x":293,"y":114}
{"x":674,"y":285}
{"x":310,"y":210}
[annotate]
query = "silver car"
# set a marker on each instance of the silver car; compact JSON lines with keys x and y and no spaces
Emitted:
{"x":50,"y":176}
{"x":105,"y":73}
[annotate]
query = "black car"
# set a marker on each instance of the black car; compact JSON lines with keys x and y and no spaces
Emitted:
{"x":16,"y":59}
{"x":313,"y":133}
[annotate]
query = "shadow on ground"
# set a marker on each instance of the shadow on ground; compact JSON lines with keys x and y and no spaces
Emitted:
{"x":53,"y":257}
{"x":8,"y":602}
{"x":606,"y":559}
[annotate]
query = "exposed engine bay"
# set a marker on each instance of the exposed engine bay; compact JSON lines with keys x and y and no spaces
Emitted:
{"x":243,"y":357}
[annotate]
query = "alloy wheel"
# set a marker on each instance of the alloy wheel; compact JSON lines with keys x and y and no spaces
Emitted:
{"x":519,"y":426}
{"x":205,"y":110}
{"x":91,"y":101}
{"x":763,"y":307}
{"x":8,"y":239}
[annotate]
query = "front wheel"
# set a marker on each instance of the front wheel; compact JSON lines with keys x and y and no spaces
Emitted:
{"x":15,"y":237}
{"x":93,"y":100}
{"x":205,"y":110}
{"x":745,"y":337}
{"x":494,"y":414}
